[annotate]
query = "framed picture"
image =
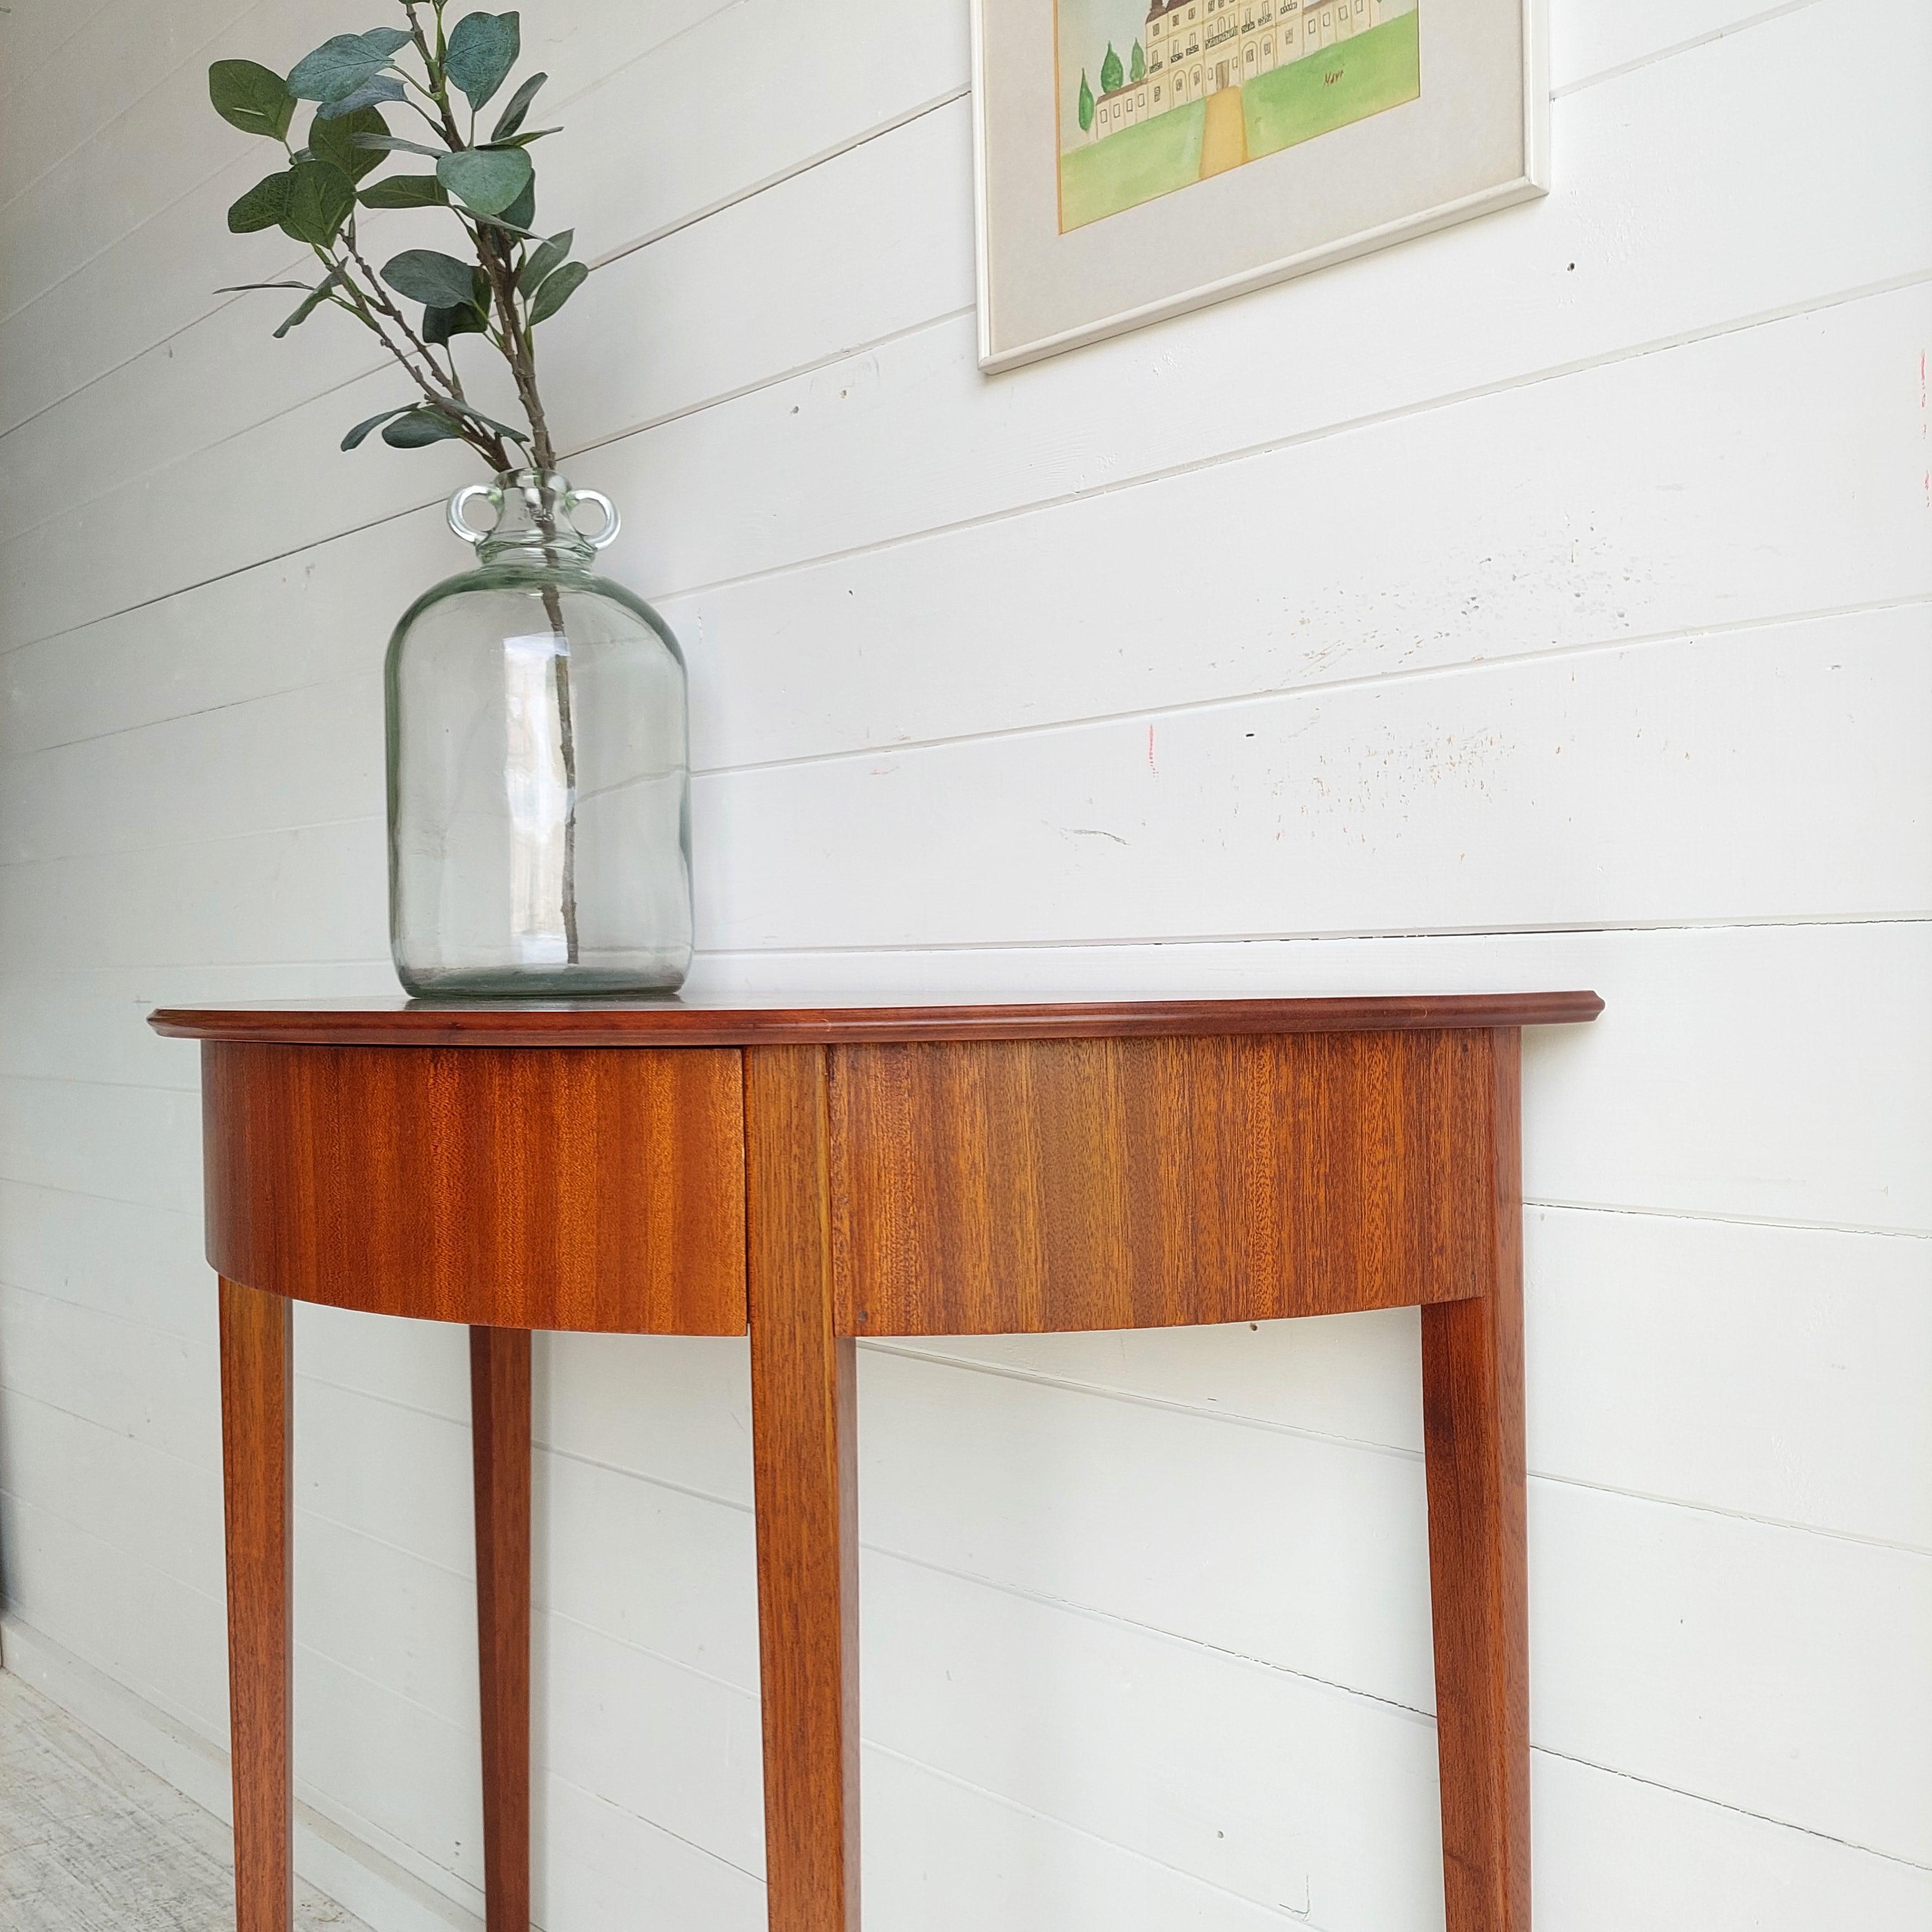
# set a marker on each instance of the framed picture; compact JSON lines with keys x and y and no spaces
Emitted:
{"x":1138,"y":157}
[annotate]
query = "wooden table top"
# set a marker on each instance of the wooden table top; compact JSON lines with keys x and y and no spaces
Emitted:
{"x":699,"y":1020}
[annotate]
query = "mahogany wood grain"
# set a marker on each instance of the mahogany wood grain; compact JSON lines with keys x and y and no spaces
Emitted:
{"x":256,"y":1372}
{"x":1472,"y":1386}
{"x":802,"y":1416}
{"x":500,"y":1409}
{"x":831,"y":1172}
{"x":1011,"y":1186}
{"x":693,"y":1020}
{"x":570,"y":1188}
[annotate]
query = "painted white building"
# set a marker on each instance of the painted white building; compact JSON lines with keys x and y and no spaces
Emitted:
{"x":1193,"y":48}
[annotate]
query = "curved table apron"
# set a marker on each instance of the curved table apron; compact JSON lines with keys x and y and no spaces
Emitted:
{"x":814,"y":1174}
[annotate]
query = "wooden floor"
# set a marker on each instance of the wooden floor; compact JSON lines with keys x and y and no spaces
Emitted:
{"x":90,"y":1842}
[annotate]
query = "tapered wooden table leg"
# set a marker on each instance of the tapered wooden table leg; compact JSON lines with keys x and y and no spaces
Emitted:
{"x":1473,"y":1426}
{"x":802,"y":1410}
{"x":255,"y":1449}
{"x":499,"y":1405}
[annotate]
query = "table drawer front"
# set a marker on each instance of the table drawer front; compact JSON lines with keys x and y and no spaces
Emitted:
{"x":1027,"y":1185}
{"x":553,"y":1188}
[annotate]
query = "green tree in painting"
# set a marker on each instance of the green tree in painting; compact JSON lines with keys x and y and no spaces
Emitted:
{"x":1086,"y":104}
{"x":1110,"y":76}
{"x":1137,"y":66}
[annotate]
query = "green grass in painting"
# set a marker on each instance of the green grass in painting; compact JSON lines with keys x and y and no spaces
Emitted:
{"x":1161,"y":154}
{"x":1381,"y":68}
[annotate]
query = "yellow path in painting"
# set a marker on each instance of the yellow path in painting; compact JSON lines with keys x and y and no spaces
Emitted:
{"x":1224,"y":145}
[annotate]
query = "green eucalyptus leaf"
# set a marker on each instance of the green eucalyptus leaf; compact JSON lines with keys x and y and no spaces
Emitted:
{"x":545,"y":258}
{"x":489,"y":422}
{"x":440,"y":324}
{"x":395,"y":144}
{"x":405,"y":191}
{"x":242,"y":288}
{"x":313,"y":301}
{"x":511,"y":117}
{"x":378,"y":87}
{"x":435,"y":279}
{"x":523,"y":211}
{"x":264,"y":206}
{"x":251,"y":96}
{"x":333,"y":139}
{"x":507,"y":226}
{"x":486,"y":180}
{"x":522,"y":140}
{"x":483,"y":48}
{"x":556,"y":289}
{"x":340,"y":66}
{"x":357,"y":436}
{"x":415,"y":428}
{"x":321,"y":199}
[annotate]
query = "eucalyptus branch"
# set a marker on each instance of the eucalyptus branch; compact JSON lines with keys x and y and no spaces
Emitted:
{"x":389,"y":307}
{"x":506,"y":288}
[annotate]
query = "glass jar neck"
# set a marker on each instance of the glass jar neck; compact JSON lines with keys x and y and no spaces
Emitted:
{"x":534,"y":521}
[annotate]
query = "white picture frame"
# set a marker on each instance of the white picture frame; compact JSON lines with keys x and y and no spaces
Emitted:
{"x":1474,"y":138}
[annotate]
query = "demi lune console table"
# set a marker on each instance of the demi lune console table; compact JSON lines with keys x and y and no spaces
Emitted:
{"x":814,"y":1174}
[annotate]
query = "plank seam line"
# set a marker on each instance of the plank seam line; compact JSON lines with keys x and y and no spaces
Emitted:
{"x":93,"y":1194}
{"x":1524,"y":380}
{"x":24,"y":1394}
{"x":198,"y":711}
{"x":154,"y":1695}
{"x":191,"y":58}
{"x":716,"y":399}
{"x":300,"y":1644}
{"x":919,"y":949}
{"x":1323,"y":687}
{"x":1267,"y":1425}
{"x":1742,"y":1810}
{"x":120,"y":1551}
{"x":1422,"y":407}
{"x":1078,"y":1610}
{"x":933,"y":104}
{"x":1554,"y":1203}
{"x":833,"y":153}
{"x":1706,"y":39}
{"x":1400,"y":677}
{"x":1290,"y":1913}
{"x":320,"y":1812}
{"x":723,"y":205}
{"x":202,"y":182}
{"x":192,"y":1343}
{"x":290,"y":831}
{"x":1037,"y":1378}
{"x":551,"y":1773}
{"x":18,"y":81}
{"x":80,"y":267}
{"x":923,"y":949}
{"x":1234,"y":700}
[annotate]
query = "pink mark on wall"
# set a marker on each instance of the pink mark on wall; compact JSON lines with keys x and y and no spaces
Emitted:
{"x":1151,"y":765}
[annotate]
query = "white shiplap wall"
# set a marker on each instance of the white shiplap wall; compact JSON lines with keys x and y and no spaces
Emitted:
{"x":1545,"y":603}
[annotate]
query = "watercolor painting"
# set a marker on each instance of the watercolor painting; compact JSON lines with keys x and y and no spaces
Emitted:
{"x":1155,"y":95}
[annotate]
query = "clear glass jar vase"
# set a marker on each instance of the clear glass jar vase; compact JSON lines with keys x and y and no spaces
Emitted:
{"x":538,"y":767}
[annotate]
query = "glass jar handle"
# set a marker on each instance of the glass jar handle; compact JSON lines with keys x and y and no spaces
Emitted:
{"x":461,"y":502}
{"x":612,"y":521}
